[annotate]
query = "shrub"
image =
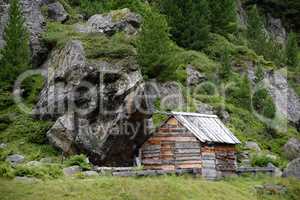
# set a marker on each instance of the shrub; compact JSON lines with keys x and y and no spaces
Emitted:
{"x":6,"y":170}
{"x":6,"y":100}
{"x":80,"y":160}
{"x":32,"y":87}
{"x":5,"y":121}
{"x":263,"y":161}
{"x":263,"y":104}
{"x":43,"y":171}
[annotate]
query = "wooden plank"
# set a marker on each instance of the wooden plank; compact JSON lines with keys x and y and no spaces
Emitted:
{"x":188,"y":162}
{"x":189,"y":166}
{"x":182,"y":139}
{"x":187,"y":158}
{"x":187,"y":150}
{"x":151,"y":147}
{"x":187,"y":145}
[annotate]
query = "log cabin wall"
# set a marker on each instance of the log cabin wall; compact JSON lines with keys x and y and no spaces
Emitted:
{"x":172,"y":147}
{"x":218,"y":160}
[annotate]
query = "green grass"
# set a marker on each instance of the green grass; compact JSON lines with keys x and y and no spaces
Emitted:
{"x":165,"y":187}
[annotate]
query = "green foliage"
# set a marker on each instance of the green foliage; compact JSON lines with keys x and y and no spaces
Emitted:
{"x":223,"y":16}
{"x":50,"y":171}
{"x":32,"y":87}
{"x":262,"y":160}
{"x":189,"y":22}
{"x":263,"y":104}
{"x":92,"y":7}
{"x":292,"y":51}
{"x":258,"y":39}
{"x":6,"y":99}
{"x":80,"y":160}
{"x":259,"y":73}
{"x":6,"y":170}
{"x":16,"y":53}
{"x":240,"y":93}
{"x":153,"y":44}
{"x":225,"y":70}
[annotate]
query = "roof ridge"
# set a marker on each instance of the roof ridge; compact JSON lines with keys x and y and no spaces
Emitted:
{"x":194,"y":114}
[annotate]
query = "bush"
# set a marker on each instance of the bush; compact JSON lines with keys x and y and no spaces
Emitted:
{"x":6,"y":170}
{"x":43,"y":171}
{"x":80,"y":160}
{"x":263,"y":161}
{"x":263,"y":104}
{"x":6,"y":100}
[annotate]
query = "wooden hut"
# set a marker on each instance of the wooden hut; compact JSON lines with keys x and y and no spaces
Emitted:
{"x":191,"y":141}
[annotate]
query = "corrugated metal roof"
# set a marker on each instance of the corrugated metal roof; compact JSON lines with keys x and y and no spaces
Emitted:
{"x":207,"y":128}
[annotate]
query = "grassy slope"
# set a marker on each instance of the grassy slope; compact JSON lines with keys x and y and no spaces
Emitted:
{"x":166,"y":187}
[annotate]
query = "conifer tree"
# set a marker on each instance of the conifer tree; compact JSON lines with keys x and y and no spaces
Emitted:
{"x":189,"y":22}
{"x":292,"y":50}
{"x":223,"y":16}
{"x":16,"y":53}
{"x":255,"y":31}
{"x":225,"y":70}
{"x":259,"y":73}
{"x":153,"y":43}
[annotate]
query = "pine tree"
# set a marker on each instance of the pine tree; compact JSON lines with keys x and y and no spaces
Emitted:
{"x":292,"y":51}
{"x":16,"y":53}
{"x":225,"y":70}
{"x":259,"y":73}
{"x":223,"y":17}
{"x":153,"y":43}
{"x":189,"y":22}
{"x":255,"y":31}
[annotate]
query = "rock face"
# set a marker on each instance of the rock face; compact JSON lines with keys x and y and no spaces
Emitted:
{"x":193,"y":76}
{"x":57,"y":12}
{"x":286,"y":100}
{"x":119,"y":20}
{"x":3,"y":20}
{"x":293,"y":169}
{"x":292,"y":149}
{"x":276,"y":29}
{"x":170,"y":95}
{"x":35,"y":23}
{"x":100,"y":106}
{"x":241,"y":14}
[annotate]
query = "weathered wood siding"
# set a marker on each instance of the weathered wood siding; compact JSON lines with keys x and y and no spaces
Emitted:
{"x":172,"y":147}
{"x":218,"y":160}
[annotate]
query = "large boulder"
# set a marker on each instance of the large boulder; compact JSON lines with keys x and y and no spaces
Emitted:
{"x":15,"y":159}
{"x":203,"y":108}
{"x":57,"y":12}
{"x":169,"y":94}
{"x":100,"y":106}
{"x":253,"y":146}
{"x":292,"y":149}
{"x":112,"y":22}
{"x":293,"y":169}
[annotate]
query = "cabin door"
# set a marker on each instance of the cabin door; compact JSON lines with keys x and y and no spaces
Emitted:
{"x":209,"y":163}
{"x":167,"y":155}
